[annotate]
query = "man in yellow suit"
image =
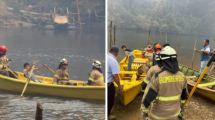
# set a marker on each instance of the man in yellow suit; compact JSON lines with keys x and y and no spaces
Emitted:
{"x":166,"y":90}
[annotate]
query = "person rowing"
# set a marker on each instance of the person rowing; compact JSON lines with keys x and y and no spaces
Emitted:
{"x":29,"y":72}
{"x":4,"y":63}
{"x":96,"y":76}
{"x":61,"y":76}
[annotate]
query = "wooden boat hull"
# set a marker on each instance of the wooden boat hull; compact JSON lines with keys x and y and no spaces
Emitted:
{"x":201,"y":90}
{"x":130,"y":91}
{"x":61,"y":26}
{"x":47,"y":89}
{"x":132,"y":87}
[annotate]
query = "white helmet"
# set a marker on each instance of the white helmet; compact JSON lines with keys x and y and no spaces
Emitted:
{"x":167,"y":53}
{"x":97,"y":64}
{"x":64,"y":61}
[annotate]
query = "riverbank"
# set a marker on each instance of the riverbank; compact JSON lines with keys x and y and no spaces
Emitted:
{"x":198,"y":109}
{"x":5,"y":24}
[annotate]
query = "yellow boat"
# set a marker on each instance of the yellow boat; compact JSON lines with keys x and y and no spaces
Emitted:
{"x":46,"y":88}
{"x":132,"y":87}
{"x":206,"y":88}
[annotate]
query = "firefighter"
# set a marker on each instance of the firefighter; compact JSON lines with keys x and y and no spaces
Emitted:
{"x":167,"y":88}
{"x":156,"y":49}
{"x":62,"y":74}
{"x":151,"y":72}
{"x":96,"y":76}
{"x":3,"y":60}
{"x":4,"y":63}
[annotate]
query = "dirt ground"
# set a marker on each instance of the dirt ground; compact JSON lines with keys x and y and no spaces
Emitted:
{"x":198,"y":109}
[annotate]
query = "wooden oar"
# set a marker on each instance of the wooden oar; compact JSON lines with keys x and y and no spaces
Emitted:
{"x":50,"y":69}
{"x":201,"y":77}
{"x":12,"y":72}
{"x":149,"y":35}
{"x":194,"y":54}
{"x":166,"y":38}
{"x":28,"y":80}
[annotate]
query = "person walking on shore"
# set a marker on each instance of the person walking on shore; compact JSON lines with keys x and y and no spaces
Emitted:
{"x":205,"y":54}
{"x":113,"y":76}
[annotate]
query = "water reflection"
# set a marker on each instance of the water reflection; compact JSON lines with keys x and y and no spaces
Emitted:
{"x":23,"y":108}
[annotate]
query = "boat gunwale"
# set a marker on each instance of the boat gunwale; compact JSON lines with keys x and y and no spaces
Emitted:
{"x":2,"y":77}
{"x":199,"y":87}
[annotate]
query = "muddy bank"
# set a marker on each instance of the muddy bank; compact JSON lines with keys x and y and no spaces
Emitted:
{"x":198,"y":109}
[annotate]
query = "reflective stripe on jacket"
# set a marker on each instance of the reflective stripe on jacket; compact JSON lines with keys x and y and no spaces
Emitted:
{"x":168,"y":88}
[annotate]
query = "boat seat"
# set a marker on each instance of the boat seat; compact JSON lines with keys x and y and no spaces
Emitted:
{"x":134,"y":66}
{"x":127,"y":72}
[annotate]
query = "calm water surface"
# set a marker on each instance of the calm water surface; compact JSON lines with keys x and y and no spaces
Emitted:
{"x":183,"y":44}
{"x":48,"y":47}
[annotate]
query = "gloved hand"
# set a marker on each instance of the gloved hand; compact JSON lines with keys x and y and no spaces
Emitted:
{"x":145,"y":116}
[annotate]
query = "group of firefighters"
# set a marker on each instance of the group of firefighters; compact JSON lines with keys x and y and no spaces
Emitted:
{"x":61,"y":75}
{"x":165,"y":87}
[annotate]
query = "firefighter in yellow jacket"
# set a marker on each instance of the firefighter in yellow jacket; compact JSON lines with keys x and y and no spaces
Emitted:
{"x":96,"y":76}
{"x":61,"y":76}
{"x":3,"y":58}
{"x":167,"y":88}
{"x":151,"y":72}
{"x":4,"y":61}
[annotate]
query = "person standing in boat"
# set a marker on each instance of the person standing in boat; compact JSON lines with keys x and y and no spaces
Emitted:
{"x":96,"y":76}
{"x":205,"y":54}
{"x":148,"y":52}
{"x":130,"y":56}
{"x":112,"y":76}
{"x":166,"y":91}
{"x":61,"y":76}
{"x":156,"y":52}
{"x":29,"y":72}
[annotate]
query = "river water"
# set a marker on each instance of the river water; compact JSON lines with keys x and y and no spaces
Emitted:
{"x":183,"y":44}
{"x":48,"y":47}
{"x":199,"y":108}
